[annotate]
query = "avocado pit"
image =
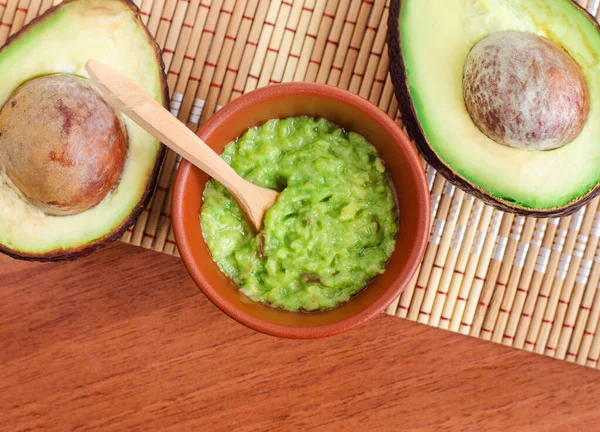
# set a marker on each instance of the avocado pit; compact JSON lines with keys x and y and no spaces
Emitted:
{"x":525,"y":92}
{"x":61,"y":145}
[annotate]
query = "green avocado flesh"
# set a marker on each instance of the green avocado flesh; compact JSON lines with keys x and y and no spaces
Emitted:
{"x":62,"y":41}
{"x":434,"y":62}
{"x":332,"y":229}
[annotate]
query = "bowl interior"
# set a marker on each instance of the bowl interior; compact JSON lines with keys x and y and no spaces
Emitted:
{"x":352,"y":113}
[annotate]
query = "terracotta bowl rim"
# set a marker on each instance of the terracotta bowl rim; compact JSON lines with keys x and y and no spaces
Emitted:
{"x":397,"y":285}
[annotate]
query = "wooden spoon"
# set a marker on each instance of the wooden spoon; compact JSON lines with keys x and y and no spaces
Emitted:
{"x":126,"y":96}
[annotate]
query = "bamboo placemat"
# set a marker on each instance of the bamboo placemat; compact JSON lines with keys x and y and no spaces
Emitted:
{"x":524,"y":282}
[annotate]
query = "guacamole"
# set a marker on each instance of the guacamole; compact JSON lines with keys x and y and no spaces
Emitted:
{"x":332,"y":229}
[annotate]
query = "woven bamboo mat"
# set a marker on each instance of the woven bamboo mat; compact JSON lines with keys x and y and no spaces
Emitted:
{"x":524,"y":282}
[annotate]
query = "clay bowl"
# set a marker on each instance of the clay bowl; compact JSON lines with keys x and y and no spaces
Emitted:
{"x":346,"y":110}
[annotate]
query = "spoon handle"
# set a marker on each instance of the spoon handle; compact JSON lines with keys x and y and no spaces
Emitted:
{"x":127,"y":97}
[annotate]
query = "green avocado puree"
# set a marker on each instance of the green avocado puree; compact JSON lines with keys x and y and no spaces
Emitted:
{"x":332,"y":229}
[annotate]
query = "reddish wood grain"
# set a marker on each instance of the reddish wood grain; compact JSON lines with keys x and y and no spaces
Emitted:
{"x":124,"y":341}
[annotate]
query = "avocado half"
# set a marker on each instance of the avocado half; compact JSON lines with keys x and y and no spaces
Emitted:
{"x":61,"y":42}
{"x":428,"y":46}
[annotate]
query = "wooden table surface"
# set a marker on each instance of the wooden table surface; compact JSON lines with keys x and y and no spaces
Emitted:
{"x":125,"y":341}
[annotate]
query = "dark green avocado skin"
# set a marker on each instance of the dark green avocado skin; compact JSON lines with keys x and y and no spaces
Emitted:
{"x":413,"y":127}
{"x":117,"y":233}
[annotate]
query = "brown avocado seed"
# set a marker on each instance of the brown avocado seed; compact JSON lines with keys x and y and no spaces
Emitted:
{"x":61,"y":145}
{"x":525,"y":92}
